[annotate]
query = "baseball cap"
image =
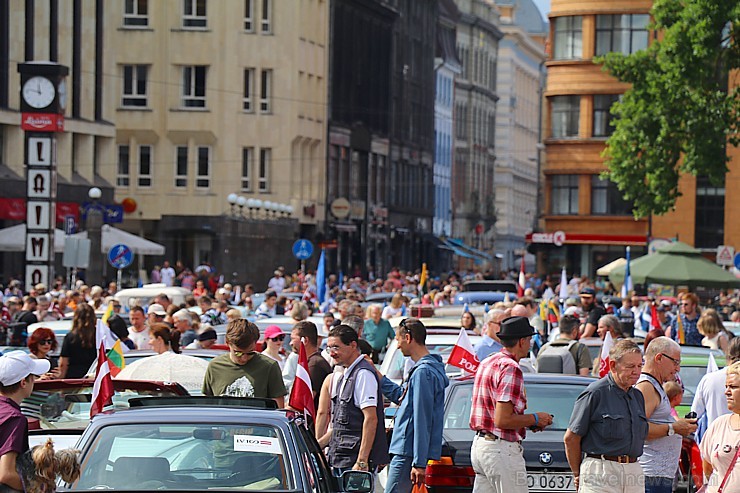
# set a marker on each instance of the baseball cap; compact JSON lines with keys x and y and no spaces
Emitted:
{"x":273,"y":331}
{"x":588,"y":291}
{"x":208,"y":335}
{"x":17,"y":365}
{"x":156,"y":309}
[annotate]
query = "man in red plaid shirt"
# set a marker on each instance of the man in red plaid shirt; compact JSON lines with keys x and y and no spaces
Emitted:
{"x":497,"y":414}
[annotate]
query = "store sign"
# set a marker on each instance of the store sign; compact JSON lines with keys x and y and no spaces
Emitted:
{"x":42,"y":122}
{"x":557,"y":238}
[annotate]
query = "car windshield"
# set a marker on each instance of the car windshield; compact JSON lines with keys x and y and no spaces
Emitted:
{"x":557,"y":398}
{"x":198,"y":456}
{"x":70,"y":407}
{"x":690,"y":377}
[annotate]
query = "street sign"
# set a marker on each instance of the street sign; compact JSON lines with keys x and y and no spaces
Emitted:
{"x":120,"y":256}
{"x":725,"y":255}
{"x":69,"y":224}
{"x":302,"y":249}
{"x":737,"y":261}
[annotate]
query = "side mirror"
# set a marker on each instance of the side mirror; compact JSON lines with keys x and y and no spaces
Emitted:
{"x":357,"y":481}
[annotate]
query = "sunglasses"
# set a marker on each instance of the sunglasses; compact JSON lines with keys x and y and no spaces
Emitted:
{"x":239,"y":354}
{"x":278,"y":338}
{"x":404,"y":327}
{"x":46,"y":341}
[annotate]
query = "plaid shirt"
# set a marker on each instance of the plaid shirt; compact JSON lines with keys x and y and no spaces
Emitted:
{"x":498,"y":379}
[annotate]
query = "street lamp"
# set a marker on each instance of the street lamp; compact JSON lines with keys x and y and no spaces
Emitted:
{"x":241,"y":201}
{"x":94,"y":226}
{"x":231,"y":199}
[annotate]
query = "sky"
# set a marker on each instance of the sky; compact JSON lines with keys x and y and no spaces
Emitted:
{"x":544,"y":6}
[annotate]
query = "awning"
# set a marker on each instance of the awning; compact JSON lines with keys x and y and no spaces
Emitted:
{"x":113,"y":236}
{"x":437,"y":241}
{"x":470,"y":250}
{"x":459,"y":251}
{"x":13,"y":239}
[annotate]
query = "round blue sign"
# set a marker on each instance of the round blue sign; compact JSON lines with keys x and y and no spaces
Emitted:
{"x":302,"y":249}
{"x":120,"y":256}
{"x":736,"y":260}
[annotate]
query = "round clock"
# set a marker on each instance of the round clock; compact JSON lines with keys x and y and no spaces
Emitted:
{"x":39,"y":92}
{"x":62,"y":88}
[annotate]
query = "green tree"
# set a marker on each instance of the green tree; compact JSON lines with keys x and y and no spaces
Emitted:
{"x":679,"y":115}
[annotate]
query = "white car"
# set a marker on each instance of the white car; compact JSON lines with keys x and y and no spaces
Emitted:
{"x":144,"y":295}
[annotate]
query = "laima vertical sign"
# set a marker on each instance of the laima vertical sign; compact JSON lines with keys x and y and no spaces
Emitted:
{"x":43,"y":98}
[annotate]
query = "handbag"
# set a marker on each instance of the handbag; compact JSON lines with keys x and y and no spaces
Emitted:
{"x":703,"y":488}
{"x":419,"y":488}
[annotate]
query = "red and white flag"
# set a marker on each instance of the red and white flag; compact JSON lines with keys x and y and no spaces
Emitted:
{"x":103,"y":388}
{"x":522,"y":280}
{"x":654,"y":320}
{"x":463,"y":355}
{"x":604,"y":361}
{"x":301,"y":396}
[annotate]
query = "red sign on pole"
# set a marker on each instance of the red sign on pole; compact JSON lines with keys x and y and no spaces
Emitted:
{"x":42,"y":122}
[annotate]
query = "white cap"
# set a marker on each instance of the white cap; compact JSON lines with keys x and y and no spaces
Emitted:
{"x":156,"y":309}
{"x":17,"y":365}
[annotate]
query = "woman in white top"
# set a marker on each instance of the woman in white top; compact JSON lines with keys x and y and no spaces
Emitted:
{"x":395,"y":309}
{"x":710,"y":326}
{"x":274,"y":337}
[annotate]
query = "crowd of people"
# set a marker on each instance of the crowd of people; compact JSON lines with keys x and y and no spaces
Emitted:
{"x":624,"y":434}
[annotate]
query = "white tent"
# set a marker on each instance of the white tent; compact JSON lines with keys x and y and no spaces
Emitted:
{"x":13,"y":239}
{"x":605,"y":270}
{"x":114,"y":236}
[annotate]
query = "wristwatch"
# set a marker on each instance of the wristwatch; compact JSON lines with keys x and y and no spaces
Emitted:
{"x":671,"y":431}
{"x":362,"y":464}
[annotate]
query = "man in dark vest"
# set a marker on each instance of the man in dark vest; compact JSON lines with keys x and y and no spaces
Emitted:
{"x":358,"y":438}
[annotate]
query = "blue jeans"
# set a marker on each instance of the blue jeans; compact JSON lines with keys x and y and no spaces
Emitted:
{"x":399,"y":474}
{"x":657,"y":484}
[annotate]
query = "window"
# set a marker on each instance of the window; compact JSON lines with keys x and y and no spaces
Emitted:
{"x":603,"y":119}
{"x":264,"y":175}
{"x":565,"y":194}
{"x":266,"y":24}
{"x":123,"y":166}
{"x":710,"y":214}
{"x":565,"y":113}
{"x":249,"y":16}
{"x":181,"y":167}
{"x":145,"y":166}
{"x":194,"y":13}
{"x":568,"y":38}
{"x":135,"y":13}
{"x":247,"y":157}
{"x":203,"y":169}
{"x":194,"y":86}
{"x":266,"y":91}
{"x":606,"y":199}
{"x":248,"y":89}
{"x":134,"y":85}
{"x":621,"y":33}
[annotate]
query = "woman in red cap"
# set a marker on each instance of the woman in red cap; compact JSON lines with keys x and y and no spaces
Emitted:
{"x":274,"y":337}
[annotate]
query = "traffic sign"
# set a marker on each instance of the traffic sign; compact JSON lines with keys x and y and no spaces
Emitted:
{"x":120,"y":256}
{"x":69,"y":224}
{"x":302,"y":249}
{"x":737,"y":261}
{"x":725,"y":255}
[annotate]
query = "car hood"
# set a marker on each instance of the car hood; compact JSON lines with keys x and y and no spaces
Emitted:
{"x":456,"y":444}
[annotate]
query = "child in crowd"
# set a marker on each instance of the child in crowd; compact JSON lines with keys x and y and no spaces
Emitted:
{"x":674,"y":391}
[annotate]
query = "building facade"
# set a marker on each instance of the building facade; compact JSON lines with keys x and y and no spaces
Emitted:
{"x":473,"y":193}
{"x":586,"y":222}
{"x":518,"y":126}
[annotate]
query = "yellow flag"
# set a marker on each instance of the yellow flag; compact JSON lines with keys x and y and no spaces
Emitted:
{"x":423,"y":278}
{"x":108,"y":313}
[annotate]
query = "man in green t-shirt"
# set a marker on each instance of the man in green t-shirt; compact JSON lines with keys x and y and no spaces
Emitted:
{"x":243,"y":372}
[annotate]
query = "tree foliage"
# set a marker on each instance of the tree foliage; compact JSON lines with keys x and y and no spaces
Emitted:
{"x":679,"y":116}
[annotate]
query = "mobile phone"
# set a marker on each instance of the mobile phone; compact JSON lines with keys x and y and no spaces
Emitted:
{"x":691,"y":415}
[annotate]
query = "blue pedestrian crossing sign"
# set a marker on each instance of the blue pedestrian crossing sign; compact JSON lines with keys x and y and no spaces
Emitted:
{"x":120,"y":256}
{"x":302,"y":249}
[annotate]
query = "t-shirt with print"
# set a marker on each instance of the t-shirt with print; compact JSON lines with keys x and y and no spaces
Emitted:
{"x":259,"y":377}
{"x":718,"y":447}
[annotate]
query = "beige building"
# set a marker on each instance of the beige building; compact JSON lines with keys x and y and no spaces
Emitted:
{"x":218,"y":98}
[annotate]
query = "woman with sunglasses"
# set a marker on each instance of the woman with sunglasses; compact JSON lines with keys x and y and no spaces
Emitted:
{"x":42,"y":343}
{"x":274,"y":337}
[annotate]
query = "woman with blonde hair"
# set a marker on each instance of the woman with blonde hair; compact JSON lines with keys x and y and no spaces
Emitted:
{"x":395,"y":308}
{"x":711,"y":327}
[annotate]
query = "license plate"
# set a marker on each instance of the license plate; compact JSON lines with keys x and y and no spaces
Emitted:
{"x":550,"y":482}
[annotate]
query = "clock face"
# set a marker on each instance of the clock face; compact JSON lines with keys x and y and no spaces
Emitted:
{"x":62,"y":88}
{"x":38,"y":92}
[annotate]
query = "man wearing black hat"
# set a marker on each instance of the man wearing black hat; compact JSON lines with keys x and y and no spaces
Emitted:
{"x":592,"y":311}
{"x":497,"y":414}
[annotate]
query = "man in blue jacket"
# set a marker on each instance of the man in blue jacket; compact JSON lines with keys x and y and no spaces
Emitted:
{"x":417,"y":431}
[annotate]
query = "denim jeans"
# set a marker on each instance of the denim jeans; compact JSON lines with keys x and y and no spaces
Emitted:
{"x":657,"y":484}
{"x":399,"y":474}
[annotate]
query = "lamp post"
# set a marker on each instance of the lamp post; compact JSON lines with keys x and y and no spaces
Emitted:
{"x":241,"y":201}
{"x":232,"y":199}
{"x":94,"y":226}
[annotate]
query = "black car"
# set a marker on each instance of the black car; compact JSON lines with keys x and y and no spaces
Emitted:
{"x":206,"y":443}
{"x":544,"y":452}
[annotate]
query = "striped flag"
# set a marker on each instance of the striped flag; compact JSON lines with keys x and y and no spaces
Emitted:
{"x":116,"y":361}
{"x":103,"y":391}
{"x":604,"y":361}
{"x":301,"y":395}
{"x":522,"y":280}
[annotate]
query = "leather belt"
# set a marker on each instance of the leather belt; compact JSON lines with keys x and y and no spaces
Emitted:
{"x":622,"y":459}
{"x":490,"y":436}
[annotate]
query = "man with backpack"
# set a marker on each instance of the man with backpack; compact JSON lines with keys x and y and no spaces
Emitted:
{"x":565,"y":354}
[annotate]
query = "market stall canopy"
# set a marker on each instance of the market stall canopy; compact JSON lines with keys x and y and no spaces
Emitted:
{"x":13,"y":239}
{"x":677,"y":264}
{"x":114,"y":236}
{"x":606,"y":269}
